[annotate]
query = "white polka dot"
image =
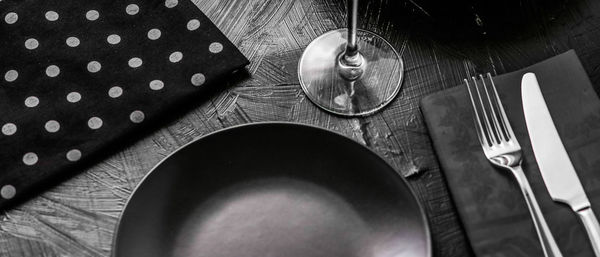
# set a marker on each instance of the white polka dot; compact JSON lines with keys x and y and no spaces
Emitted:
{"x":9,"y":129}
{"x":115,"y":92}
{"x":113,"y":39}
{"x":132,"y":9}
{"x":156,"y":85}
{"x":32,"y":101}
{"x":11,"y":18}
{"x":30,"y":159}
{"x":74,"y":155}
{"x":198,"y":79}
{"x":52,"y":71}
{"x":215,"y":47}
{"x":175,"y":57}
{"x":52,"y":126}
{"x":51,"y":16}
{"x":11,"y":75}
{"x":154,"y":34}
{"x":135,"y":62}
{"x":193,"y":24}
{"x":8,"y":191}
{"x":137,"y":116}
{"x":92,"y":15}
{"x":72,"y":41}
{"x":73,"y":97}
{"x":31,"y":43}
{"x":171,"y":3}
{"x":95,"y":123}
{"x":94,"y":66}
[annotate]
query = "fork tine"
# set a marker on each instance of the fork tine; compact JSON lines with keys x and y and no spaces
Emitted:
{"x":495,"y":119}
{"x":490,"y":131}
{"x":509,"y":131}
{"x":478,"y":124}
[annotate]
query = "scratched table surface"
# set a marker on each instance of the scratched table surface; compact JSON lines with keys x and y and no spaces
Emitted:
{"x":441,"y":42}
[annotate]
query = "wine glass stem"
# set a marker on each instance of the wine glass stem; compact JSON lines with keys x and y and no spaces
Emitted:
{"x":351,"y":56}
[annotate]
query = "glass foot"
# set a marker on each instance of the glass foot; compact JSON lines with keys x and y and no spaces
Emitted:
{"x":350,"y":92}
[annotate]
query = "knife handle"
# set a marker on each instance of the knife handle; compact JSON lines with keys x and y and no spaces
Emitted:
{"x":545,"y":235}
{"x":592,"y":227}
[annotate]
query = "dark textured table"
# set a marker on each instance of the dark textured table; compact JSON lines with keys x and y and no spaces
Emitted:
{"x":441,"y":42}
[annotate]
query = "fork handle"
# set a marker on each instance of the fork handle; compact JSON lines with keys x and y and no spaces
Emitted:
{"x":545,"y":235}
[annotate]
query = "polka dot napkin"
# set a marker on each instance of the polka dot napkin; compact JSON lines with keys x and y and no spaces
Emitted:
{"x":80,"y":77}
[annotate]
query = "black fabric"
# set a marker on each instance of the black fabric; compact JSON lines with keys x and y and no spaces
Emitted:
{"x":58,"y":107}
{"x":489,"y":202}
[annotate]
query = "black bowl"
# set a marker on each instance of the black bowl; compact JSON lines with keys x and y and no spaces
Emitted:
{"x":273,"y":189}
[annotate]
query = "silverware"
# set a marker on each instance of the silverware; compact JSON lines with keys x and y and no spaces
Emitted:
{"x":501,"y":148}
{"x":555,"y":166}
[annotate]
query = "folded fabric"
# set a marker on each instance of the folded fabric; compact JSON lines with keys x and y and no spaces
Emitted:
{"x":77,"y":78}
{"x":489,"y":202}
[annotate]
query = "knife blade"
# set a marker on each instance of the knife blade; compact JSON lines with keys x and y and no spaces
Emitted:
{"x":555,"y":165}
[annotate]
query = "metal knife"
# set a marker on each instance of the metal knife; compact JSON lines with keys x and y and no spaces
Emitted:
{"x":555,"y":166}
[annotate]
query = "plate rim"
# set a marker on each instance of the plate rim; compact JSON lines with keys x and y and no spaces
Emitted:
{"x":422,"y":212}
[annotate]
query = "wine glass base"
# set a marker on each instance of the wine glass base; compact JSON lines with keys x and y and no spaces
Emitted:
{"x":323,"y":82}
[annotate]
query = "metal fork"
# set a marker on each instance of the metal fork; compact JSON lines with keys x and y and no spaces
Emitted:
{"x":503,"y":150}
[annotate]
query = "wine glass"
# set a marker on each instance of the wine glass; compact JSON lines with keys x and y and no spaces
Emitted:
{"x":350,"y":72}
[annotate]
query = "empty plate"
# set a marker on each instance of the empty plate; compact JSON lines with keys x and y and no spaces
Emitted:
{"x":273,"y":190}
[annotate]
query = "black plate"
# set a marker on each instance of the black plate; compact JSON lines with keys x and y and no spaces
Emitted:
{"x":273,"y":189}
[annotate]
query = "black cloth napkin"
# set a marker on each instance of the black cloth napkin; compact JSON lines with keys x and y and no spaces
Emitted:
{"x":78,"y":78}
{"x":489,"y":202}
